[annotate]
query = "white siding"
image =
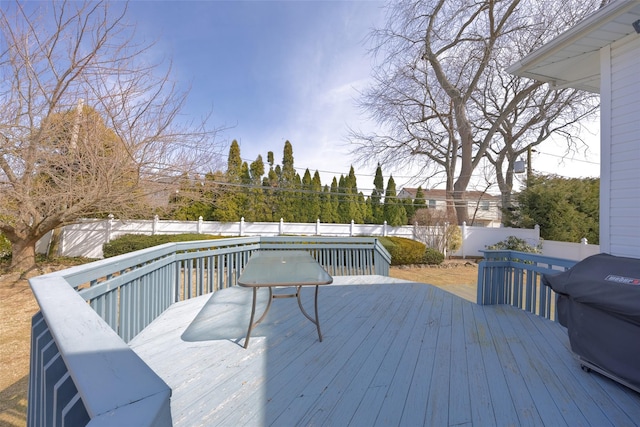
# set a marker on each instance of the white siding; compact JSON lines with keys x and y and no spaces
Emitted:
{"x":621,"y":118}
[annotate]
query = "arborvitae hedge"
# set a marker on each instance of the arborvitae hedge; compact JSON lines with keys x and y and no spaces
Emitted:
{"x":134,"y":242}
{"x":403,"y":251}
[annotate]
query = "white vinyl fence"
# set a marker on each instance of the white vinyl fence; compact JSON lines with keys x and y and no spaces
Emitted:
{"x":85,"y":238}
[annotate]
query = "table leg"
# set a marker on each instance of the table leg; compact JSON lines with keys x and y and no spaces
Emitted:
{"x":253,"y":313}
{"x":316,"y":321}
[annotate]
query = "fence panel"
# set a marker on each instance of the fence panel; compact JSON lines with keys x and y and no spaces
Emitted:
{"x":476,"y":239}
{"x":87,"y":237}
{"x":569,"y":250}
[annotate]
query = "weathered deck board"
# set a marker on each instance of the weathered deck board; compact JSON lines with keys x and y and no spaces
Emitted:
{"x":393,"y":354}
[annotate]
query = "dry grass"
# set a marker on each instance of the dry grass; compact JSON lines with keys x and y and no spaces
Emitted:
{"x":458,"y":277}
{"x":18,"y":306}
{"x":450,"y":273}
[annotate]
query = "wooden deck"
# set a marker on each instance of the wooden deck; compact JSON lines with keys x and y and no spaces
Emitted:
{"x":393,"y":354}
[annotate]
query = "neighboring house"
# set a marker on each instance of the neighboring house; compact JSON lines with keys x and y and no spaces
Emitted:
{"x":484,"y":209}
{"x":602,"y":54}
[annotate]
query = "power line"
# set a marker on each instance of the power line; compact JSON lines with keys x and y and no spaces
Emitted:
{"x":568,"y":159}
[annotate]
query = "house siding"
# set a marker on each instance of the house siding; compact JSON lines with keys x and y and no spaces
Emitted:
{"x":622,"y":197}
{"x":483,"y":209}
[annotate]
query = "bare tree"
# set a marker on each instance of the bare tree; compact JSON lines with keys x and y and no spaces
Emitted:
{"x":519,"y":123}
{"x":430,"y":228}
{"x":87,"y":125}
{"x":439,"y":90}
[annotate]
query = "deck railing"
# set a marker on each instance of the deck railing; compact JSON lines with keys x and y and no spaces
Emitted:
{"x":82,"y":370}
{"x":511,"y":277}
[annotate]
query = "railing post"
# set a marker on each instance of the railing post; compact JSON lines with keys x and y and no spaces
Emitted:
{"x":384,"y":229}
{"x":318,"y":227}
{"x":481,"y":287}
{"x":241,"y":226}
{"x":200,"y":224}
{"x":351,"y":229}
{"x":281,"y":230}
{"x":156,"y":221}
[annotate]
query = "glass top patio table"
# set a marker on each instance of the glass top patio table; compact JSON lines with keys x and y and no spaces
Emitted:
{"x":268,"y":269}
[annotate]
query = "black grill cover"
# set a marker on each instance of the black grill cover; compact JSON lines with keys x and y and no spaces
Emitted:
{"x":599,"y":303}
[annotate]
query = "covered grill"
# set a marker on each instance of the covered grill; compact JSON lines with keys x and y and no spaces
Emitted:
{"x":599,"y":303}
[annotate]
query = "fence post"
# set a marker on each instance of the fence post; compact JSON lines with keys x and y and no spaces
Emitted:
{"x":318,"y":227}
{"x":583,"y":247}
{"x":464,"y":238}
{"x":107,"y":238}
{"x":200,"y":225}
{"x":445,"y":242}
{"x":154,"y":228}
{"x":281,"y":231}
{"x":384,"y":229}
{"x":351,"y":229}
{"x":241,"y":226}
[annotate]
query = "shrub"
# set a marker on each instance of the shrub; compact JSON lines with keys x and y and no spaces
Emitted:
{"x":403,"y":251}
{"x":454,"y":238}
{"x":134,"y":242}
{"x":5,"y":247}
{"x":432,"y":256}
{"x":514,"y":243}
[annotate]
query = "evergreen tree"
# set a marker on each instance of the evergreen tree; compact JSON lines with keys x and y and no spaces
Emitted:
{"x":288,"y":170}
{"x":234,"y":163}
{"x":310,"y":197}
{"x":344,"y":214}
{"x":364,"y":207}
{"x":348,"y":207}
{"x":192,"y":200}
{"x":333,"y":205}
{"x":419,"y":202}
{"x":242,"y":192}
{"x":288,"y":183}
{"x":355,"y":209}
{"x":270,"y":183}
{"x":566,"y":209}
{"x":300,"y":197}
{"x":228,"y":205}
{"x":377,"y":211}
{"x":394,"y":212}
{"x":326,"y":206}
{"x":257,"y":210}
{"x":316,"y":188}
{"x":409,"y":208}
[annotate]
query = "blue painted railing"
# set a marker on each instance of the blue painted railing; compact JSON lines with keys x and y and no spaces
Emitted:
{"x":83,"y":372}
{"x":514,"y":278}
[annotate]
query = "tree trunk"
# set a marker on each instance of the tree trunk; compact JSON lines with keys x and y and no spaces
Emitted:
{"x":23,"y":255}
{"x":54,"y":243}
{"x":462,"y":210}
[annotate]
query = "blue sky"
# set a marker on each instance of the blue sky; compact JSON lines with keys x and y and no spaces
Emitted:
{"x":272,"y":71}
{"x":288,"y":70}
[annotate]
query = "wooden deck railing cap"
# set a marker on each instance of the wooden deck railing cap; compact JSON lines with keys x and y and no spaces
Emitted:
{"x":101,"y":364}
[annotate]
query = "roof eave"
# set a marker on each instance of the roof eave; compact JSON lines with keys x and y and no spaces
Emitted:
{"x":580,"y":30}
